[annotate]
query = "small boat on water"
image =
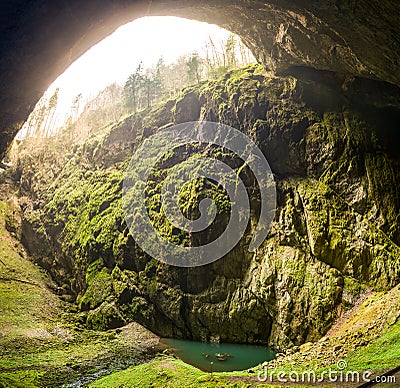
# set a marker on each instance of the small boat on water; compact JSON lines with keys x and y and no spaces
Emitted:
{"x":222,"y":356}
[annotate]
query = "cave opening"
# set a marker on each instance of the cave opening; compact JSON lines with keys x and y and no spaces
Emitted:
{"x":142,"y":63}
{"x":321,"y":103}
{"x":41,"y":41}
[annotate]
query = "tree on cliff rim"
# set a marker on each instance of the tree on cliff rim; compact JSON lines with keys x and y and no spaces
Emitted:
{"x":132,"y":87}
{"x":193,"y":68}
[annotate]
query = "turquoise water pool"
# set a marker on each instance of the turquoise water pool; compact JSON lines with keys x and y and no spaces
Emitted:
{"x":224,"y":357}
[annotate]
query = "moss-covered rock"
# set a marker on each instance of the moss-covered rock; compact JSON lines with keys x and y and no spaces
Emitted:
{"x":106,"y":316}
{"x":336,"y":219}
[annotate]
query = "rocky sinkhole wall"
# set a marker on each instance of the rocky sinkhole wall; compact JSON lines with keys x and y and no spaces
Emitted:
{"x":331,"y":142}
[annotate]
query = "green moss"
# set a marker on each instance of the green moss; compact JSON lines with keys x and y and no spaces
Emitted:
{"x":106,"y":316}
{"x":22,"y":379}
{"x":23,"y":291}
{"x":382,"y":355}
{"x":353,"y":286}
{"x":338,"y":211}
{"x":165,"y":372}
{"x":43,"y":344}
{"x":100,"y":287}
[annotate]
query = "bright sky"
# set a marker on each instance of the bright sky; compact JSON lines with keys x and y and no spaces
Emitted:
{"x":116,"y":57}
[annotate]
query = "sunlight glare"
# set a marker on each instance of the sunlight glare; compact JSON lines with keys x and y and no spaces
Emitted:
{"x":113,"y":59}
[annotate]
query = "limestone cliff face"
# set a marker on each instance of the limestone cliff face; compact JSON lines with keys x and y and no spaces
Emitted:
{"x":331,"y":144}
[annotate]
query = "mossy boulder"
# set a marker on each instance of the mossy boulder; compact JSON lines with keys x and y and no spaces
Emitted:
{"x":106,"y":316}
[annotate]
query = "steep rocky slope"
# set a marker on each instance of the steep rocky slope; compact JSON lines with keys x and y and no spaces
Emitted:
{"x":42,"y":341}
{"x":331,"y":143}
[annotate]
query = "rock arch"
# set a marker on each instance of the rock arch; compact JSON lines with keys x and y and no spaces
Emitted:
{"x":40,"y":39}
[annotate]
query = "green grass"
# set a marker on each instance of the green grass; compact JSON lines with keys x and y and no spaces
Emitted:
{"x":166,"y":372}
{"x":42,"y":344}
{"x":382,"y":355}
{"x":25,"y":301}
{"x":23,"y":379}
